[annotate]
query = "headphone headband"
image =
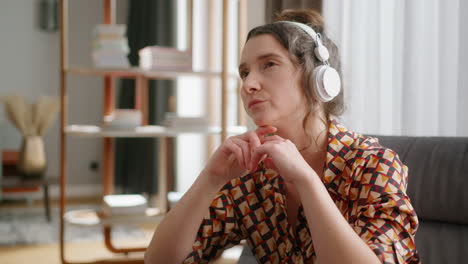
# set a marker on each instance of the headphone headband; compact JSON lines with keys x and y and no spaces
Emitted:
{"x":321,"y":52}
{"x":304,"y":27}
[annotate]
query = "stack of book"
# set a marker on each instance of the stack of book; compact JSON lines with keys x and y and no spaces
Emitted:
{"x":165,"y":58}
{"x":110,"y":46}
{"x":124,"y":204}
{"x":123,"y":119}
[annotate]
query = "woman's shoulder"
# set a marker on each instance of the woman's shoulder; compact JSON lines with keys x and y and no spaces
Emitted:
{"x":373,"y":158}
{"x":369,"y":147}
{"x":377,"y":156}
{"x":358,"y":145}
{"x":365,"y":157}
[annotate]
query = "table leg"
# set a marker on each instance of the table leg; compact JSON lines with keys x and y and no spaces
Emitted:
{"x":45,"y":187}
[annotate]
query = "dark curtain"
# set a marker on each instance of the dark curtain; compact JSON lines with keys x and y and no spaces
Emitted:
{"x":150,"y":22}
{"x":274,"y":6}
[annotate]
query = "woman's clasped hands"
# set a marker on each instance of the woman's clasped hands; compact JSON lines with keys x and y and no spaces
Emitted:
{"x":241,"y":154}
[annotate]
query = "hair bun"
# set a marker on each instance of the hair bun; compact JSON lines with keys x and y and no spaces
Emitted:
{"x":305,"y":16}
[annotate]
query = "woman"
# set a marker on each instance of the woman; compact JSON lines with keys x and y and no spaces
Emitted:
{"x":301,"y":188}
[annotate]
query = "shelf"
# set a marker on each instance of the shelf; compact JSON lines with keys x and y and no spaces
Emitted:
{"x":169,"y":75}
{"x":134,"y":72}
{"x":91,"y":217}
{"x":146,"y":131}
{"x":115,"y":72}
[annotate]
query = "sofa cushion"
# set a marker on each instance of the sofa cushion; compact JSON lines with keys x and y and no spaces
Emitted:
{"x":438,"y":175}
{"x":439,"y":242}
{"x":247,"y":257}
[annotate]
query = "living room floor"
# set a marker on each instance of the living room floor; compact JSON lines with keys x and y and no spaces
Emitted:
{"x":84,"y":251}
{"x":79,"y":252}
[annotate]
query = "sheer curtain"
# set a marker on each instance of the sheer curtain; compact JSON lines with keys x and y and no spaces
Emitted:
{"x":405,"y":65}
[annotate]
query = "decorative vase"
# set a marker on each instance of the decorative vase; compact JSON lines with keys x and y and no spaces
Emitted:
{"x":32,"y":161}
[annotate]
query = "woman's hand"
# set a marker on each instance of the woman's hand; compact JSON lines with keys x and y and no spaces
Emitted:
{"x":283,"y":156}
{"x":233,"y":158}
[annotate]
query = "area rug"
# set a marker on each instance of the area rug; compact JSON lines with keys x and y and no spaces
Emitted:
{"x":28,"y":226}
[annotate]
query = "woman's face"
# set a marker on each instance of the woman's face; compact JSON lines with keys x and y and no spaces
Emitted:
{"x":271,"y":83}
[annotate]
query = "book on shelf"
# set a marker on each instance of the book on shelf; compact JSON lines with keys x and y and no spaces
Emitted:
{"x":110,"y":46}
{"x":124,"y":204}
{"x":125,"y":119}
{"x":110,"y":29}
{"x":165,"y":58}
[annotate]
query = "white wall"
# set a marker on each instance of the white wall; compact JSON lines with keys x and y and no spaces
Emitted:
{"x":29,"y":64}
{"x":256,"y":13}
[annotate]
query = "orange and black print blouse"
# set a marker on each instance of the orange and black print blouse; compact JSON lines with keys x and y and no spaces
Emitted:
{"x":367,"y":182}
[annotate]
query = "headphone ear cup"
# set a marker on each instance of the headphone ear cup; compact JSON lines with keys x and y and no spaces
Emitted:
{"x":327,"y":83}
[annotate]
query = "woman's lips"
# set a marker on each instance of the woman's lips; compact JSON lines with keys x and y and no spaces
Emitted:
{"x":255,"y":102}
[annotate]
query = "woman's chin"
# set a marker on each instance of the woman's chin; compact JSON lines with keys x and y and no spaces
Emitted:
{"x":263,"y":122}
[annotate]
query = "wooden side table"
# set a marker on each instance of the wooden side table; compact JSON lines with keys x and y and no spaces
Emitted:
{"x":15,"y":185}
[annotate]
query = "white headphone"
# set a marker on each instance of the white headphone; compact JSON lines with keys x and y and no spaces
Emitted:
{"x":327,"y":80}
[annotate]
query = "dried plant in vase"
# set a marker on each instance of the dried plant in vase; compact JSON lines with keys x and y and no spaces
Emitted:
{"x":32,"y":120}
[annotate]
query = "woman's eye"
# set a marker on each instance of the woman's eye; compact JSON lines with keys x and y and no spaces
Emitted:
{"x":244,"y":74}
{"x":269,"y":64}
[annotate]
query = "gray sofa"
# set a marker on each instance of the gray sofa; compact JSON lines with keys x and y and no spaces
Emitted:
{"x":438,"y":188}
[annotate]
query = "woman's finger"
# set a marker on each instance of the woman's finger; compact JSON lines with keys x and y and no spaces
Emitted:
{"x":272,"y":138}
{"x":254,"y":141}
{"x":270,"y":164}
{"x":254,"y":137}
{"x":261,"y":131}
{"x":237,"y":151}
{"x":259,"y":153}
{"x":254,"y":165}
{"x":244,"y":146}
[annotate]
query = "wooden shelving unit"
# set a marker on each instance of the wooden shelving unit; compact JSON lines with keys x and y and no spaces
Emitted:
{"x":146,"y":131}
{"x":92,"y":217}
{"x":135,"y":72}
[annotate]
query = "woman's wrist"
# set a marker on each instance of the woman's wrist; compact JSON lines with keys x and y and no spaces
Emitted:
{"x":307,"y":177}
{"x":210,"y":181}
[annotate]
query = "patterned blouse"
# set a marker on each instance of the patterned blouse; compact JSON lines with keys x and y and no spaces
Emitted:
{"x":367,"y":182}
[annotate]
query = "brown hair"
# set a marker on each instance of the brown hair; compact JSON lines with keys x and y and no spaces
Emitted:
{"x":301,"y":49}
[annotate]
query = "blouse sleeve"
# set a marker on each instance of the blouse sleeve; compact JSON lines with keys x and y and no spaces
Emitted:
{"x":385,"y":218}
{"x":219,"y":230}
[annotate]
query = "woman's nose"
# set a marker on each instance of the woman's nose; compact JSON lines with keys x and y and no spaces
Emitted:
{"x":251,"y":84}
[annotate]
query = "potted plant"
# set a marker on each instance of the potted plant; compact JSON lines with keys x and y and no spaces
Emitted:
{"x":32,"y":120}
